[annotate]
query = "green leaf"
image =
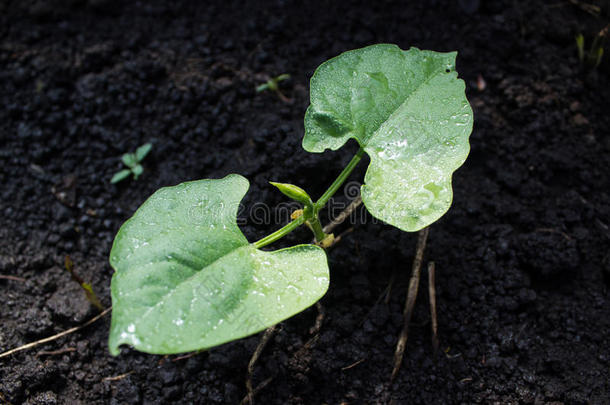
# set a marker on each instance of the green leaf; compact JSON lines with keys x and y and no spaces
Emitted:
{"x":272,"y":84}
{"x":580,"y":46}
{"x":120,"y":176}
{"x":262,"y":87}
{"x":409,"y":112}
{"x":137,"y":170}
{"x":294,"y":192}
{"x":91,"y":296}
{"x":129,"y":159}
{"x":142,"y":151}
{"x":186,"y":278}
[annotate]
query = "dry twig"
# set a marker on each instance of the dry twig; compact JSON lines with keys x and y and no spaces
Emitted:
{"x":343,"y":215}
{"x":388,"y":290}
{"x":259,"y":349}
{"x":259,"y":387}
{"x":432,"y":297}
{"x":185,"y":356}
{"x":410,"y":301}
{"x":117,"y":377}
{"x":12,"y":278}
{"x":55,"y":337}
{"x":55,"y":352}
{"x":319,"y":319}
{"x":353,"y":364}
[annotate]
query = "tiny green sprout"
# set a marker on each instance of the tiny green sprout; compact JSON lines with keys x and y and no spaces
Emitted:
{"x":186,"y":277}
{"x":87,"y":288}
{"x":593,"y":57}
{"x":133,"y":163}
{"x":273,"y":85}
{"x":580,"y":46}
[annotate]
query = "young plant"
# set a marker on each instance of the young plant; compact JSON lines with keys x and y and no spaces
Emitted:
{"x":593,"y":57}
{"x":87,"y":288}
{"x":132,"y":161}
{"x":186,"y":278}
{"x":273,"y":85}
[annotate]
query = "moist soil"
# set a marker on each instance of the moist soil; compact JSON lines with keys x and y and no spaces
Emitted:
{"x":522,"y":265}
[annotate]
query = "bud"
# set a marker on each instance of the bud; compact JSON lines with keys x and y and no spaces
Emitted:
{"x":294,"y":192}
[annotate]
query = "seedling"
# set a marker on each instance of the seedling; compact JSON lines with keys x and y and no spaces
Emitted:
{"x":273,"y":85}
{"x":133,"y":163}
{"x":186,"y":278}
{"x":593,"y":57}
{"x":87,"y":288}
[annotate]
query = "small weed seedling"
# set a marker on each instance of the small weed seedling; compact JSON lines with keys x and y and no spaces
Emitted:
{"x":593,"y":57}
{"x":87,"y":288}
{"x":186,"y":278}
{"x":273,"y":85}
{"x":133,"y":163}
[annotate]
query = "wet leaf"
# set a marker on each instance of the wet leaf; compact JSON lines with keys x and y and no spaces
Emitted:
{"x":186,"y":278}
{"x":137,"y":170}
{"x":142,"y":151}
{"x":119,"y":176}
{"x":129,"y":159}
{"x":409,"y":112}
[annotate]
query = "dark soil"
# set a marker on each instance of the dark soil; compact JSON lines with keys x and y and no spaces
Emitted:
{"x":523,"y":271}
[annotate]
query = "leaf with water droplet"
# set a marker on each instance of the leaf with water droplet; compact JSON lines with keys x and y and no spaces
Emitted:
{"x":186,"y":278}
{"x":409,"y":112}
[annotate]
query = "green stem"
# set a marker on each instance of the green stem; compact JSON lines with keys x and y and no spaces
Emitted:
{"x":316,"y":227}
{"x":280,"y":233}
{"x":339,"y":180}
{"x":312,"y":217}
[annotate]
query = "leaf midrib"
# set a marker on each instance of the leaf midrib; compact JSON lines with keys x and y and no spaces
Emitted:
{"x":169,"y":293}
{"x":367,"y":138}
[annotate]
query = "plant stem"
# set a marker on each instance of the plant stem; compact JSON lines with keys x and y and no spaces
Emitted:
{"x":312,"y":217}
{"x":280,"y":233}
{"x":316,"y":227}
{"x":339,"y":180}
